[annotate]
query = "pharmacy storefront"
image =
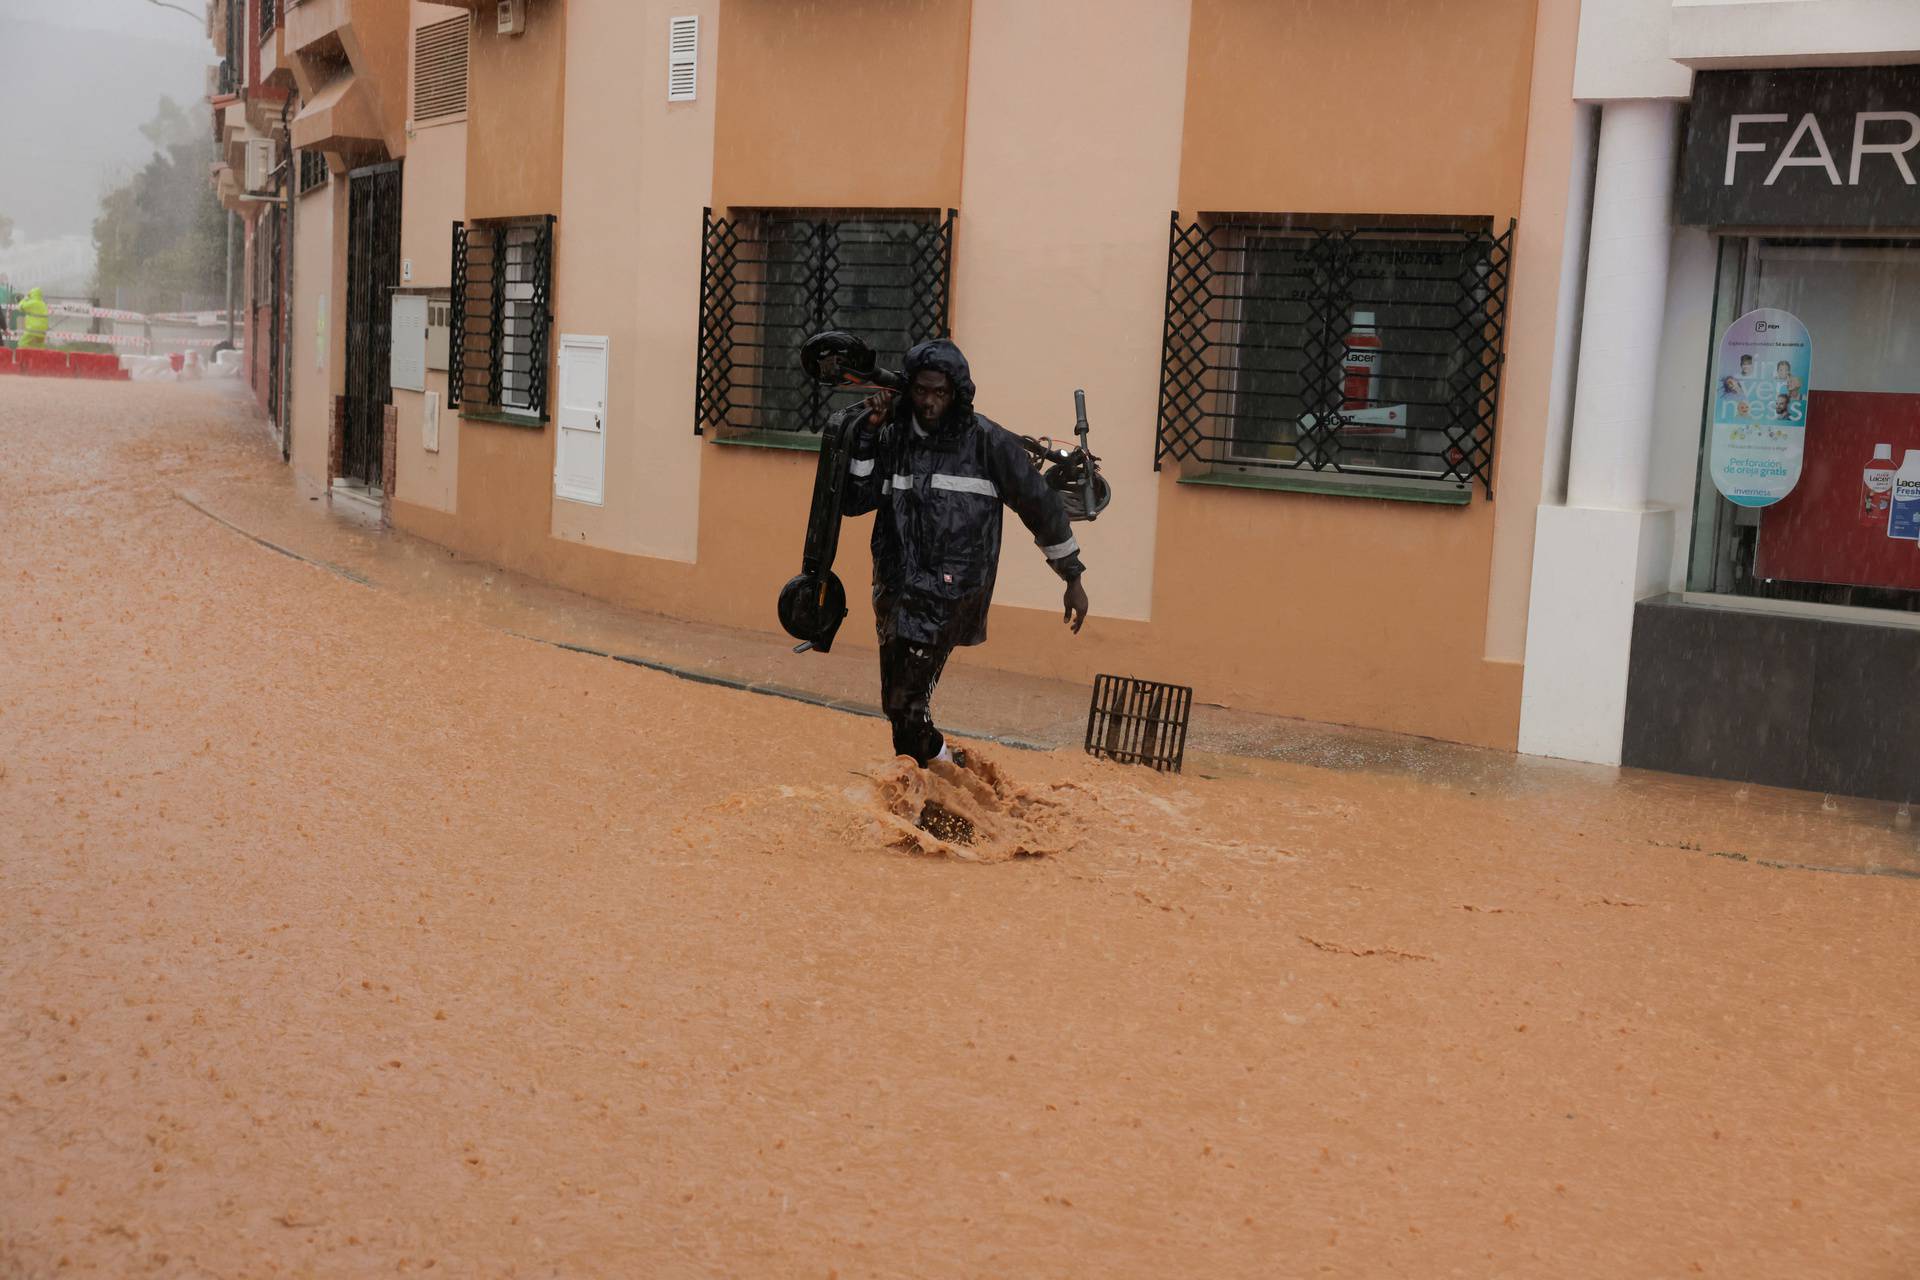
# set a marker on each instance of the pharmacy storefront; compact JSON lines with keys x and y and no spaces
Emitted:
{"x":1792,"y":656}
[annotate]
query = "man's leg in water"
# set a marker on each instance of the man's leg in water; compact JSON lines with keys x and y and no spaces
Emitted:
{"x":908,"y":673}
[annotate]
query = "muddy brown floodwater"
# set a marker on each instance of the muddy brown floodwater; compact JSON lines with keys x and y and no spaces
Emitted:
{"x":342,"y":934}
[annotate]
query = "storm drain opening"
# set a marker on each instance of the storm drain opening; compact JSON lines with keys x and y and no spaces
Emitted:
{"x":1139,"y":722}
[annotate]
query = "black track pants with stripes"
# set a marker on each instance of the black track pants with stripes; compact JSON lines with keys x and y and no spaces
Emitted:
{"x":908,"y":673}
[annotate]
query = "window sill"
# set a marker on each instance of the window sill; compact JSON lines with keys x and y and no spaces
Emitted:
{"x":795,"y":441}
{"x":1447,"y":495}
{"x":504,"y":419}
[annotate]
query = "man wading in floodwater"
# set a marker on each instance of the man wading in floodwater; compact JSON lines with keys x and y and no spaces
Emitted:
{"x":936,"y":472}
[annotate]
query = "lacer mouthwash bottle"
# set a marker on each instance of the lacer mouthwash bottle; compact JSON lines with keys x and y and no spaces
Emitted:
{"x":1876,"y":487}
{"x":1361,"y":365}
{"x":1903,"y":516}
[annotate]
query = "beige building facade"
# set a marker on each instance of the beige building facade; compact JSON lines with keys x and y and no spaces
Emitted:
{"x":627,"y":194}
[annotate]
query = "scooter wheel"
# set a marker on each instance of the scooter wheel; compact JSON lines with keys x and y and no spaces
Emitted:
{"x":811,"y":609}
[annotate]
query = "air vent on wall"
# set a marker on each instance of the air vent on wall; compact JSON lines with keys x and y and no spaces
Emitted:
{"x":683,"y":58}
{"x":440,"y":70}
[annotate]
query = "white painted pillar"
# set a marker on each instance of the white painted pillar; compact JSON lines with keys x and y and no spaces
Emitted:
{"x":1626,"y":304}
{"x":1606,"y":548}
{"x":1572,"y":306}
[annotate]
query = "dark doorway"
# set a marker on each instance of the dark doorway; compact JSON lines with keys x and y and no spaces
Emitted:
{"x":373,"y":272}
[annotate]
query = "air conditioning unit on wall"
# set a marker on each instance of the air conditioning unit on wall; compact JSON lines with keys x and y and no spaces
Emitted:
{"x":510,"y":17}
{"x":259,"y":173}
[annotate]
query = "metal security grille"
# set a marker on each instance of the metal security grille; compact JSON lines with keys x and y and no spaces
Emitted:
{"x":373,"y":272}
{"x":269,"y":14}
{"x":1139,"y":722}
{"x":502,"y":316}
{"x":313,"y":170}
{"x":1265,"y":328}
{"x":769,"y":279}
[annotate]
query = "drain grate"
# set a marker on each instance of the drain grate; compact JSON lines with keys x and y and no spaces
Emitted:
{"x":1139,"y":722}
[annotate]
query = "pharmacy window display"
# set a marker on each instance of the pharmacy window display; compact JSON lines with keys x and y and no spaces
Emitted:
{"x":1809,"y":481}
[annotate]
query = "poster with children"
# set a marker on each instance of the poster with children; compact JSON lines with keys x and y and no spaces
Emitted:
{"x":1761,"y":378}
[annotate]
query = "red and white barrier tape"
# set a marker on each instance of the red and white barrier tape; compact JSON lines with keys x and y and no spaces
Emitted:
{"x":105,"y":339}
{"x":94,"y":313}
{"x":196,"y":319}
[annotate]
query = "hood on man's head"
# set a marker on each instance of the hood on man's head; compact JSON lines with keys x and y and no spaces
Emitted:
{"x":942,"y":356}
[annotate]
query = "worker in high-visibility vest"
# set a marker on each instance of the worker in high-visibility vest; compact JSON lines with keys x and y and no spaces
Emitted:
{"x":33,"y":320}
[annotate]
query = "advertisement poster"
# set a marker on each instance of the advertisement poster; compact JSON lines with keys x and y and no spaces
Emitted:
{"x":1837,"y":525}
{"x":1761,"y":377}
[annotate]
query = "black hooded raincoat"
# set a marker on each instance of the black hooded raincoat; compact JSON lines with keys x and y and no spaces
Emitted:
{"x":937,"y":498}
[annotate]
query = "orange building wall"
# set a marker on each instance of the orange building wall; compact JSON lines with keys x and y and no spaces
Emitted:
{"x":433,"y":197}
{"x":1334,"y":608}
{"x":752,"y":514}
{"x":1338,"y":609}
{"x":1534,"y":316}
{"x":379,"y":42}
{"x":1331,"y":106}
{"x":516,"y":96}
{"x":851,"y":104}
{"x":516,"y":89}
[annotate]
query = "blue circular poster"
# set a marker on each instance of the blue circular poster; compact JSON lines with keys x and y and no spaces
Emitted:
{"x":1762,"y":373}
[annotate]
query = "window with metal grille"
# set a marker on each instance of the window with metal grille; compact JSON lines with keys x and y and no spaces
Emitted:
{"x":233,"y":54}
{"x":770,"y":278}
{"x":501,"y":318}
{"x":269,"y":14}
{"x":1316,"y":345}
{"x":440,"y":71}
{"x":313,"y":170}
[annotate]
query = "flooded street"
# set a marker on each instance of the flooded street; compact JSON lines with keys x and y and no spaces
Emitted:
{"x":343,"y":932}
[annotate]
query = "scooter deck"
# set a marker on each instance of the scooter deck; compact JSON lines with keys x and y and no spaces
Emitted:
{"x":829,"y":485}
{"x":813,"y":604}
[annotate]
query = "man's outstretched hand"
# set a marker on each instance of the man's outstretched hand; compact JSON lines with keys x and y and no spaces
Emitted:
{"x":1076,"y":605}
